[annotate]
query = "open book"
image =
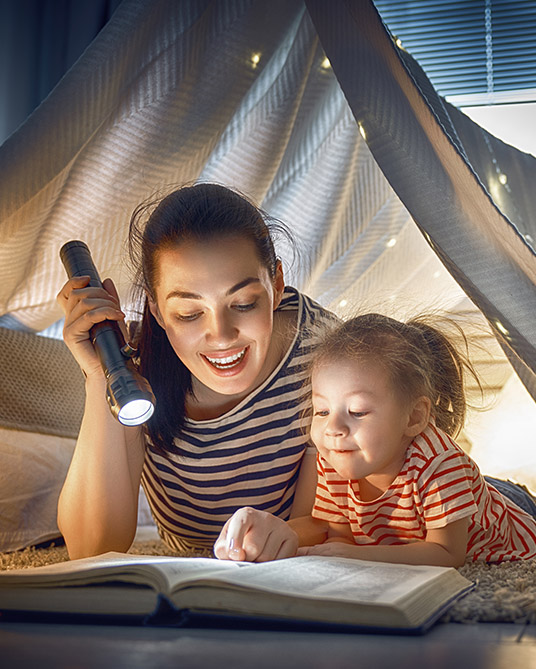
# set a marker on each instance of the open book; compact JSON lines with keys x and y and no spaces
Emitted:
{"x":371,"y":595}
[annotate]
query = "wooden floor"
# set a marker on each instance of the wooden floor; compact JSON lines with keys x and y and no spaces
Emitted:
{"x":482,"y":646}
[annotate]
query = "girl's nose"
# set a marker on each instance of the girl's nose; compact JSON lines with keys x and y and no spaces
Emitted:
{"x":336,"y":426}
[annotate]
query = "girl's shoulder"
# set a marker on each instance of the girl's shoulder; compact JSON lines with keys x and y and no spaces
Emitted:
{"x":434,"y":451}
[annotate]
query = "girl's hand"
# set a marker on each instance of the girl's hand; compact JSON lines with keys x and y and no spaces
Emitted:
{"x":333,"y":549}
{"x":84,"y":306}
{"x":255,"y":536}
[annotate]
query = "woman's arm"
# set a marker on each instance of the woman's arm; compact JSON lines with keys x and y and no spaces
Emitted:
{"x":97,"y":509}
{"x":309,"y":530}
{"x":446,"y":546}
{"x":98,"y":505}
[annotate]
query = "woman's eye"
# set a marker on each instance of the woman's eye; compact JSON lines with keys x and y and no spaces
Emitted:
{"x":188,"y":317}
{"x":245,"y":307}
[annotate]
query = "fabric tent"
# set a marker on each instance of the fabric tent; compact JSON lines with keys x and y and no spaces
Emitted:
{"x":311,"y":109}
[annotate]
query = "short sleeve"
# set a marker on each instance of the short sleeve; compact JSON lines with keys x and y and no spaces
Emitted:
{"x":447,"y":489}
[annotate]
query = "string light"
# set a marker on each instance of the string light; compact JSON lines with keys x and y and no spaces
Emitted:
{"x":501,"y":328}
{"x":391,"y":243}
{"x":325,"y":64}
{"x":255,"y":59}
{"x":503,"y":178}
{"x":343,"y":303}
{"x":362,"y":131}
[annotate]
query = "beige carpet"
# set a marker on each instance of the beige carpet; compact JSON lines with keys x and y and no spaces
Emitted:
{"x":504,"y":592}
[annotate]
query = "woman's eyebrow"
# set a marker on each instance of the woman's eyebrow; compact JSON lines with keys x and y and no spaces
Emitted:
{"x":186,"y":295}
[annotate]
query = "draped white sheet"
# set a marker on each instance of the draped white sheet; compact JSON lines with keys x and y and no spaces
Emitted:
{"x":231,"y":91}
{"x":240,"y":92}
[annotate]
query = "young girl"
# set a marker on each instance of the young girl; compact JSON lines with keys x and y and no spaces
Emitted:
{"x":223,"y":344}
{"x":388,"y":398}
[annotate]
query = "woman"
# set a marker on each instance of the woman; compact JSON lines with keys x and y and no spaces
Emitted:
{"x":223,"y":344}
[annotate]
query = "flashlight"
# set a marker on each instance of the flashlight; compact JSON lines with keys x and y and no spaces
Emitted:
{"x":129,"y":395}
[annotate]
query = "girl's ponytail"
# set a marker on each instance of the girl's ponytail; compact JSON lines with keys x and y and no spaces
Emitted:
{"x":448,"y":367}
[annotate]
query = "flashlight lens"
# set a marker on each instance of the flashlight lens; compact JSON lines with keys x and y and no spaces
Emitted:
{"x":136,"y":412}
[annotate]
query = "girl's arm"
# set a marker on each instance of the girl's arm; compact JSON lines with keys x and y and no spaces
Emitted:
{"x":97,"y":509}
{"x":446,"y":546}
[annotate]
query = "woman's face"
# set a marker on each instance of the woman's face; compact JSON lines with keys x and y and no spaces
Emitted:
{"x":215,"y":300}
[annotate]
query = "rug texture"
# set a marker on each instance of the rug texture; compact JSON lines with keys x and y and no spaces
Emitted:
{"x":503,"y":593}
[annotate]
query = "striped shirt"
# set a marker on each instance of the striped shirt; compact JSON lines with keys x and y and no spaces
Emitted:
{"x":250,"y":456}
{"x":438,"y":484}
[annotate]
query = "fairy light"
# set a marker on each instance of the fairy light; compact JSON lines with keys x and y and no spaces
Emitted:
{"x":503,"y":179}
{"x":391,"y":243}
{"x":501,"y":328}
{"x":325,"y":64}
{"x":255,"y":59}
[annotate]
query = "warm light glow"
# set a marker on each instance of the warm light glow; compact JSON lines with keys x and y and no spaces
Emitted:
{"x":437,"y":274}
{"x":136,"y":412}
{"x":398,"y":42}
{"x":255,"y":59}
{"x":343,"y":303}
{"x":325,"y":64}
{"x":391,"y":243}
{"x":503,"y":179}
{"x":362,"y":131}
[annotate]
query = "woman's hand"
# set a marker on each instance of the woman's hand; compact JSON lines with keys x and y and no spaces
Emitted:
{"x":255,"y":536}
{"x":84,"y":306}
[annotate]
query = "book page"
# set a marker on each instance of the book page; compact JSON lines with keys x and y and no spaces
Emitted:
{"x":340,"y":579}
{"x":157,"y":572}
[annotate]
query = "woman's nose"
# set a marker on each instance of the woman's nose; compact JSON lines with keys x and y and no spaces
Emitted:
{"x":222,"y":329}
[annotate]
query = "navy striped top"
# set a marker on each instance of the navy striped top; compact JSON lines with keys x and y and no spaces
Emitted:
{"x":250,"y":456}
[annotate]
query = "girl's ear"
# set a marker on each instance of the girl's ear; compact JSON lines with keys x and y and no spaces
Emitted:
{"x":279,"y":284}
{"x":419,"y":416}
{"x":155,"y":311}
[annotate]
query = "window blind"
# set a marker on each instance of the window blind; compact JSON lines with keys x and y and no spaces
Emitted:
{"x":473,"y":51}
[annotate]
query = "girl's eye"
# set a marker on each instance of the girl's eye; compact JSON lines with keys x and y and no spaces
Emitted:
{"x":245,"y":307}
{"x":321,"y":413}
{"x":358,"y":414}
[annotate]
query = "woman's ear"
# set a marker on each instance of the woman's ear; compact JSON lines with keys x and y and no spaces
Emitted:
{"x":153,"y":307}
{"x":279,"y":284}
{"x":419,"y":416}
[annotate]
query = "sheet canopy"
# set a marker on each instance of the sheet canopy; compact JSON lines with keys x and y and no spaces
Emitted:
{"x":358,"y":155}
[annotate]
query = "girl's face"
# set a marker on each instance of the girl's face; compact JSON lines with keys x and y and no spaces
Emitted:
{"x":215,"y":300}
{"x":360,"y":426}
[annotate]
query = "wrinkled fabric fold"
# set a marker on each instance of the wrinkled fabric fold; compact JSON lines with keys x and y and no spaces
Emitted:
{"x":240,"y":92}
{"x":412,"y":138}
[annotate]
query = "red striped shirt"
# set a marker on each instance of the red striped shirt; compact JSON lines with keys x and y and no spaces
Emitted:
{"x":438,"y":484}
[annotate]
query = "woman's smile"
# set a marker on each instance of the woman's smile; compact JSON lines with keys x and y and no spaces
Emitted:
{"x":227,"y":362}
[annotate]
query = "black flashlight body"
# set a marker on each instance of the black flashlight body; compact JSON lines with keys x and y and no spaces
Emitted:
{"x":124,"y":383}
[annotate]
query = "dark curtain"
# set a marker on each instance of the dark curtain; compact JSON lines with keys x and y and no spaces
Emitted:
{"x":39,"y":41}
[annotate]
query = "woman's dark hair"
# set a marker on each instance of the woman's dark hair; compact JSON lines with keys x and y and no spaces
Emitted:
{"x":199,"y":212}
{"x":419,"y":358}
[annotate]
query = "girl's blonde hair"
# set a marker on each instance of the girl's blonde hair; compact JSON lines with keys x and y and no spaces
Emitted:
{"x":418,"y":356}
